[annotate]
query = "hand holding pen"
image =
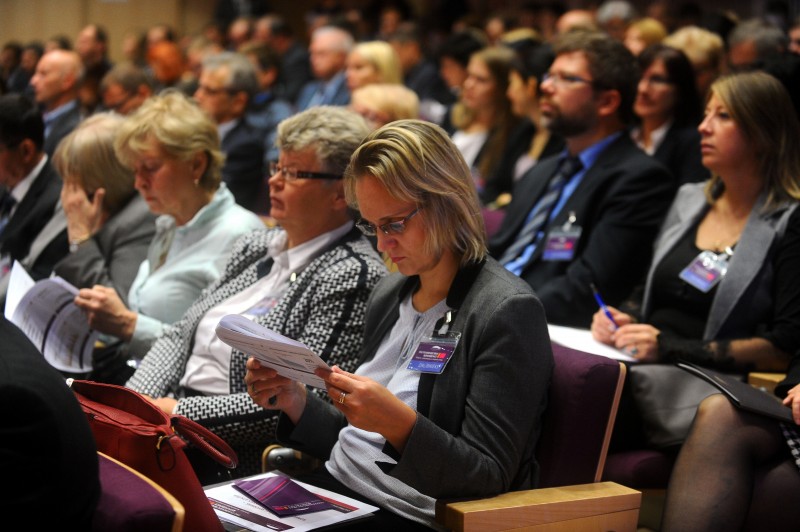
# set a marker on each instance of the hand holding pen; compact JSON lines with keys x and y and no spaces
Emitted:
{"x":603,"y":306}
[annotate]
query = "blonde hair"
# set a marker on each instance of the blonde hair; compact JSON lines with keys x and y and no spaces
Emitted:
{"x":397,"y":102}
{"x":418,"y":163}
{"x":704,"y":48}
{"x":651,"y":31}
{"x":383,"y":57}
{"x":762,"y":108}
{"x":86,"y":156}
{"x":179,"y":127}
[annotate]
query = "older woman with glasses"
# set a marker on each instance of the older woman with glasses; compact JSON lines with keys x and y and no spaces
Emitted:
{"x":456,"y":357}
{"x":308,"y":279}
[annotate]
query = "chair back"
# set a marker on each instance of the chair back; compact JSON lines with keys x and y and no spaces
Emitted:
{"x":131,"y":502}
{"x":581,"y":409}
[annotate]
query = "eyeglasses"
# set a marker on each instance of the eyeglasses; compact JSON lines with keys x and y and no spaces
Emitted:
{"x":214,"y":92}
{"x":293,"y":174}
{"x":563,"y":80}
{"x":656,"y":80}
{"x":389,"y":228}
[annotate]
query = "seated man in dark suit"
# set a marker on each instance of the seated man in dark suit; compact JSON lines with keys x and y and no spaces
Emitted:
{"x":56,"y":83}
{"x":47,"y":451}
{"x":328,"y":52}
{"x":590,"y":214}
{"x":32,"y":186}
{"x":227,"y":83}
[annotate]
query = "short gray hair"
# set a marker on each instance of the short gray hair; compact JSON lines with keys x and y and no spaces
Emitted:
{"x":241,"y":72}
{"x":333,"y":132}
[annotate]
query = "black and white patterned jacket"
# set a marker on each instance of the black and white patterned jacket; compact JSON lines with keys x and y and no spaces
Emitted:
{"x":324,"y":308}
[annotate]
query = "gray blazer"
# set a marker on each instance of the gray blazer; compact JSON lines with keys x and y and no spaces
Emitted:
{"x":479,"y":421}
{"x":744,"y":297}
{"x":112,"y":256}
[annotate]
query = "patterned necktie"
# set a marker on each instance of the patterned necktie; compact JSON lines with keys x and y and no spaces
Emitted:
{"x":538,"y":218}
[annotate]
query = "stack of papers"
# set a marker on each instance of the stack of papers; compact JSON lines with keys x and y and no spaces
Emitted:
{"x":582,"y":340}
{"x":233,"y":506}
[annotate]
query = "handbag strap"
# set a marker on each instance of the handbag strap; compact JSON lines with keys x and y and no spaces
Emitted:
{"x":205,"y":440}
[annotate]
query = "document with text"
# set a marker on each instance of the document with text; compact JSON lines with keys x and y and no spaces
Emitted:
{"x":582,"y":340}
{"x":46,"y":312}
{"x":290,"y":358}
{"x":233,"y":506}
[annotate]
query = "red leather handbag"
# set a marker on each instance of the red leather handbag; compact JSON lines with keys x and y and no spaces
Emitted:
{"x":133,"y":430}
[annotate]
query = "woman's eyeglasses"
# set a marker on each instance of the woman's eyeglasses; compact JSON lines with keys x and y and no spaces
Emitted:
{"x":293,"y":174}
{"x":389,"y":228}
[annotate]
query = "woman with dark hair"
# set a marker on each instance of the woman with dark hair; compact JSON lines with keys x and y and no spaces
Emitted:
{"x":669,"y":109}
{"x":529,"y":142}
{"x":482,"y":118}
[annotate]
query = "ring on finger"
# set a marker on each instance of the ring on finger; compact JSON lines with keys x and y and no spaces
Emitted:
{"x":342,"y":397}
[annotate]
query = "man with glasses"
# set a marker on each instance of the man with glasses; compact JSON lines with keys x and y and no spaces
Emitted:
{"x":590,"y":214}
{"x":125,"y":88}
{"x":227,"y":84}
{"x":308,"y":279}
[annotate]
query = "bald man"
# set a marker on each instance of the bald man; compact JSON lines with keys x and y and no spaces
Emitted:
{"x":55,"y":83}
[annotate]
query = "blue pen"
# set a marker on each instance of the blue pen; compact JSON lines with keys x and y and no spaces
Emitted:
{"x":603,"y":306}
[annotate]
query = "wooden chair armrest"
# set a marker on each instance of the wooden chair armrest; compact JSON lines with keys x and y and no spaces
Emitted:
{"x":765,"y":381}
{"x":597,"y":506}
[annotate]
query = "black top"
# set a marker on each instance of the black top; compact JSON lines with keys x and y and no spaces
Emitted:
{"x":682,"y":310}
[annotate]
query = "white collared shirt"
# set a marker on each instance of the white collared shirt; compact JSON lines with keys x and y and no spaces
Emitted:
{"x":207,"y":370}
{"x":656,"y":137}
{"x":22,"y":188}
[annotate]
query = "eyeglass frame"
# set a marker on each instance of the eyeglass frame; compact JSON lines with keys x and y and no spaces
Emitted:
{"x":389,"y":228}
{"x":560,"y":79}
{"x":292,"y":175}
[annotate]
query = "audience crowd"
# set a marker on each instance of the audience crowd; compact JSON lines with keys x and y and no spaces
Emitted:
{"x":508,"y":171}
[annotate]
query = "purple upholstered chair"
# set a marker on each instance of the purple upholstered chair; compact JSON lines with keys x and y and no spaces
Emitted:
{"x":131,"y":502}
{"x":581,"y":409}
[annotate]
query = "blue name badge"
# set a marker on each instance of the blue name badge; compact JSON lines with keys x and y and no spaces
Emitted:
{"x":706,"y":270}
{"x":561,"y":244}
{"x":433,"y":354}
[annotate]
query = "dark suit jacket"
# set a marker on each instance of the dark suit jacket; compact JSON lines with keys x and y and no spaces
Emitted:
{"x":341,"y":95}
{"x":619,"y":205}
{"x":680,"y":153}
{"x":244,"y":171}
{"x":295,"y":72}
{"x":112,"y":256}
{"x":47,"y":451}
{"x":424,"y":79}
{"x":519,"y":141}
{"x":481,"y":416}
{"x":62,"y":127}
{"x":32,"y":213}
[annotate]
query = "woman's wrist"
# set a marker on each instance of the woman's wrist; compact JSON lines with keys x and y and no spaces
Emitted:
{"x":75,"y":242}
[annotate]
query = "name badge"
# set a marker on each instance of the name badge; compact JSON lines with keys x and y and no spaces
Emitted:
{"x":433,"y":353}
{"x":706,"y":270}
{"x":561,"y":244}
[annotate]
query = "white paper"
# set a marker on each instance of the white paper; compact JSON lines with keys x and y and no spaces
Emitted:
{"x":290,"y":358}
{"x":46,"y":312}
{"x":582,"y":340}
{"x":233,"y":506}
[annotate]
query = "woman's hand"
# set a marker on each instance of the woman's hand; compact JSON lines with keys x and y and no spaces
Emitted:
{"x":273,"y":392}
{"x":370,"y":406}
{"x":84,"y":215}
{"x":639,"y":340}
{"x":166,"y":404}
{"x":603,"y":328}
{"x":106,"y":311}
{"x":792,"y":400}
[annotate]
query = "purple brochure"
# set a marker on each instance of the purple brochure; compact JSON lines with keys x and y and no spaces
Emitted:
{"x":282,"y":496}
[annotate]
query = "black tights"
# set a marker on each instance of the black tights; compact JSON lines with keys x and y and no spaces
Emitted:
{"x":734,"y":472}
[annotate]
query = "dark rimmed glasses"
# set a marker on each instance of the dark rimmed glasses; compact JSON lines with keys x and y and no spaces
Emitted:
{"x":293,"y":174}
{"x":389,"y":228}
